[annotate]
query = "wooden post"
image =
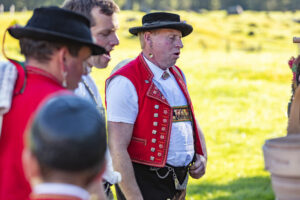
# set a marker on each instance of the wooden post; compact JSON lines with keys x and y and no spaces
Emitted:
{"x":1,"y":8}
{"x":12,"y":9}
{"x":297,"y":40}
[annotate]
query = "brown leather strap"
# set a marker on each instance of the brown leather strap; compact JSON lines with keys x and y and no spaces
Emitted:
{"x":180,"y":195}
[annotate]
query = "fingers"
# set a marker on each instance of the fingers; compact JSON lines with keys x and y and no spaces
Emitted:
{"x":197,"y":170}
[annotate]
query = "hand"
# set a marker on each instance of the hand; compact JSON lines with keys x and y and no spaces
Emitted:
{"x":197,"y":170}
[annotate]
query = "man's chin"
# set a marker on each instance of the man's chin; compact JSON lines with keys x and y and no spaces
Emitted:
{"x":72,"y":87}
{"x":101,"y":63}
{"x":102,"y":66}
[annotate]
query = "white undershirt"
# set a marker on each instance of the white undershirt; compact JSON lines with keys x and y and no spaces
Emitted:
{"x":122,"y":106}
{"x":109,"y":175}
{"x":61,"y":189}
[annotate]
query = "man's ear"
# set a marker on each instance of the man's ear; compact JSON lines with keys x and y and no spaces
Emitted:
{"x":63,"y":53}
{"x":30,"y":166}
{"x":148,"y":38}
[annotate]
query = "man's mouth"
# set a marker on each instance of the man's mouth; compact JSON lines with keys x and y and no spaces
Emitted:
{"x":107,"y":55}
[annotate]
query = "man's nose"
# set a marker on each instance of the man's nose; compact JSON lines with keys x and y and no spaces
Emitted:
{"x":114,"y":39}
{"x":179,"y":43}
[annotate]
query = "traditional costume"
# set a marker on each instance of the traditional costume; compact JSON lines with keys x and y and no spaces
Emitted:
{"x":33,"y":85}
{"x":38,"y":86}
{"x":165,"y":135}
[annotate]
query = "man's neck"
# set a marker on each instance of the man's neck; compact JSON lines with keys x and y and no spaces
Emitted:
{"x":152,"y":59}
{"x":46,"y":66}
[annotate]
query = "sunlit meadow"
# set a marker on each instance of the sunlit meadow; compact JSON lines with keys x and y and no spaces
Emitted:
{"x":239,"y":81}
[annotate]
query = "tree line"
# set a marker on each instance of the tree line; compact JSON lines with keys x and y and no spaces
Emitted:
{"x":195,"y":5}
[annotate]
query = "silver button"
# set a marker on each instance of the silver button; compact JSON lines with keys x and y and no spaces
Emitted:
{"x":152,"y":149}
{"x":154,"y":132}
{"x":160,"y":146}
{"x":162,"y":137}
{"x":165,"y":112}
{"x":163,"y":128}
{"x":153,"y":140}
{"x":155,"y":114}
{"x":165,"y":120}
{"x":159,"y":154}
{"x":156,"y":106}
{"x":155,"y":123}
{"x":152,"y":158}
{"x":154,"y":92}
{"x":146,"y":81}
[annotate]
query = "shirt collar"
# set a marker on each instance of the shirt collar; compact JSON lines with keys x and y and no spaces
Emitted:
{"x":157,"y":72}
{"x":61,"y":189}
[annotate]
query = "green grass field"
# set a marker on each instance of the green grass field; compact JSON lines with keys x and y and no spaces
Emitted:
{"x":239,"y":81}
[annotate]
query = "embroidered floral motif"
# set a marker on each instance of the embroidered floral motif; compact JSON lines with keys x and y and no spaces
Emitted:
{"x":181,"y":114}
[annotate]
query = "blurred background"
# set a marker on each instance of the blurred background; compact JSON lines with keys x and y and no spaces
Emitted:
{"x":195,"y":5}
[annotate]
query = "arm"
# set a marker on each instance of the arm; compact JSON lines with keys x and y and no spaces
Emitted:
{"x":197,"y":170}
{"x":119,"y":136}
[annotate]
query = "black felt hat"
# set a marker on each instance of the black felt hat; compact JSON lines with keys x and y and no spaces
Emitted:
{"x":69,"y":133}
{"x":57,"y":25}
{"x":159,"y":20}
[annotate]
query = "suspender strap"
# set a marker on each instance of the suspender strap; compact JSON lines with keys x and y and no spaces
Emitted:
{"x":22,"y":77}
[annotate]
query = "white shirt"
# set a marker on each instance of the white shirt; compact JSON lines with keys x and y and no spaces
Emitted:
{"x":61,"y":189}
{"x":95,"y":97}
{"x":8,"y":77}
{"x":122,"y":106}
{"x":109,"y":175}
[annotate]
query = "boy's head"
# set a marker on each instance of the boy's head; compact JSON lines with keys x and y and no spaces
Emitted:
{"x":67,"y":142}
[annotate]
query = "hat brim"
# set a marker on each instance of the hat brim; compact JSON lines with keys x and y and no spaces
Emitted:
{"x":184,"y":28}
{"x":40,"y":34}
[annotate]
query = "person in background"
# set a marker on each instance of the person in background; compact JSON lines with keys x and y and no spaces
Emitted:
{"x":55,"y":43}
{"x":154,"y":138}
{"x":64,"y":155}
{"x":104,"y":24}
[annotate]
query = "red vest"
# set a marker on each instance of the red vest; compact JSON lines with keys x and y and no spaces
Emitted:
{"x":149,"y":144}
{"x":30,"y":90}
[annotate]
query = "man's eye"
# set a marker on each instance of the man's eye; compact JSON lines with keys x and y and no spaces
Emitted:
{"x":104,"y":34}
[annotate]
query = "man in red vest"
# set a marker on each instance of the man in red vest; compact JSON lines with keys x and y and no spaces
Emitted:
{"x":65,"y":156}
{"x":55,"y":43}
{"x":154,"y":138}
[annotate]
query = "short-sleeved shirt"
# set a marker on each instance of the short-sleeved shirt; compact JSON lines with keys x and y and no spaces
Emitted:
{"x":122,"y":106}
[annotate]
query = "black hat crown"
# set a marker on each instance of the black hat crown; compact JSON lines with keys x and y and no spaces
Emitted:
{"x":158,"y":20}
{"x":58,"y":25}
{"x":160,"y":17}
